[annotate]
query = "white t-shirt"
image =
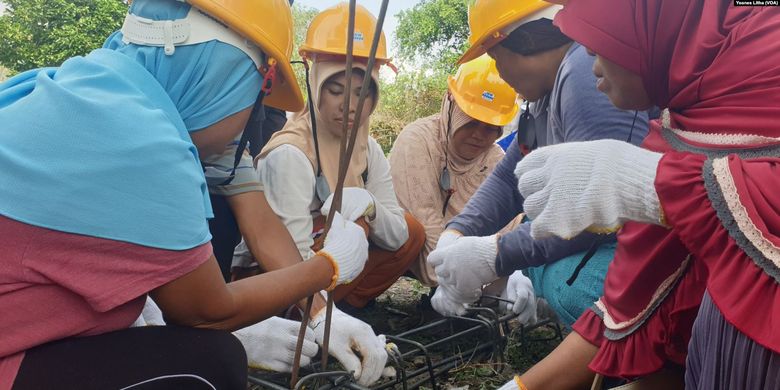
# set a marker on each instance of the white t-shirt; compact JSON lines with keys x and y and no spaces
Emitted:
{"x":288,"y":180}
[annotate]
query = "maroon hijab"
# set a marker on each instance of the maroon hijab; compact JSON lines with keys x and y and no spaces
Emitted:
{"x":716,"y":67}
{"x":712,"y":64}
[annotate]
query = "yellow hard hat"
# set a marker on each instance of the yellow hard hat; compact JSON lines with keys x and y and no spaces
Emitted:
{"x":267,"y":24}
{"x":327,"y":34}
{"x":490,"y":21}
{"x":482,"y":94}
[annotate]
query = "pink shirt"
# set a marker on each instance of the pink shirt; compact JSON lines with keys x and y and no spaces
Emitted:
{"x":55,"y":285}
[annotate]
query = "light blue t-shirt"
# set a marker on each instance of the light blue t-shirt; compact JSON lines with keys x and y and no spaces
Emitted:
{"x":100,"y":146}
{"x":96,"y":147}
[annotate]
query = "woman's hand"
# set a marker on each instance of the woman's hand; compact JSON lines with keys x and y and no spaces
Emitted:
{"x":346,"y":247}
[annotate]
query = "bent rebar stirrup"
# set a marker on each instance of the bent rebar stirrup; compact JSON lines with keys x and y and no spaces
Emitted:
{"x":425,"y":355}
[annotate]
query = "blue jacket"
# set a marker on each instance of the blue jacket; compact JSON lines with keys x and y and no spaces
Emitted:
{"x":574,"y":111}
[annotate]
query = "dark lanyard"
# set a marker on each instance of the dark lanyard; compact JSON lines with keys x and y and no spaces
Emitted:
{"x":444,"y":179}
{"x":321,"y":187}
{"x":526,"y":140}
{"x":599,"y":240}
{"x":256,"y":119}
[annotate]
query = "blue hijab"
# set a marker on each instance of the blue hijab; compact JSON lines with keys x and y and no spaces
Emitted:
{"x":100,"y":146}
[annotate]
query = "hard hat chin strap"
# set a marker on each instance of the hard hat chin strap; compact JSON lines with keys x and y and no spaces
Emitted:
{"x":256,"y":118}
{"x":322,"y":189}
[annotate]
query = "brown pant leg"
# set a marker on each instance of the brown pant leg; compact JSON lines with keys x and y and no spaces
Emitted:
{"x":383,"y":268}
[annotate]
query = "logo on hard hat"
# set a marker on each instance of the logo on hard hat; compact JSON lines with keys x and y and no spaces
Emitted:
{"x":488,"y":96}
{"x":358,"y":36}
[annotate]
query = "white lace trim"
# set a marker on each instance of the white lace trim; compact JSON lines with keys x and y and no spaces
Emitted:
{"x":717,"y":139}
{"x":720,"y":168}
{"x":661,"y":291}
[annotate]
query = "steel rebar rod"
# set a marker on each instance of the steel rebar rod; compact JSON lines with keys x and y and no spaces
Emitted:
{"x":343,"y":164}
{"x":345,"y":154}
{"x":299,"y":345}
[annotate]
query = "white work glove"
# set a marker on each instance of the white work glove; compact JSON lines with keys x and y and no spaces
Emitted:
{"x":151,"y":315}
{"x":349,"y":337}
{"x":355,"y":203}
{"x":594,"y":185}
{"x":447,"y":238}
{"x":138,"y":322}
{"x":511,"y":385}
{"x":270,"y":344}
{"x":520,"y":291}
{"x":346,"y":247}
{"x":446,"y":304}
{"x":465,"y":266}
{"x":242,"y":257}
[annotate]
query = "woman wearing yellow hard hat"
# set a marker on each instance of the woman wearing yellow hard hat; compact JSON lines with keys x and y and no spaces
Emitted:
{"x":438,"y":162}
{"x":554,"y":74}
{"x":103,"y":201}
{"x":299,"y":168}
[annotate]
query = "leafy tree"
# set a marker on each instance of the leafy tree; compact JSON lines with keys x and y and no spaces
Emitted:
{"x":429,"y":39}
{"x":433,"y":33}
{"x":36,"y":33}
{"x":412,"y":95}
{"x":302,"y":16}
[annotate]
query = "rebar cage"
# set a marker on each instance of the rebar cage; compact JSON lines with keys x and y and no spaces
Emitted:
{"x":425,"y":355}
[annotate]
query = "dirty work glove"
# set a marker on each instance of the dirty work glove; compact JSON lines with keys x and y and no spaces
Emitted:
{"x":520,"y":291}
{"x":354,"y":344}
{"x":594,"y":185}
{"x":496,"y":287}
{"x":447,"y":238}
{"x":465,"y":266}
{"x":392,"y":350}
{"x":447,"y":305}
{"x":151,"y":315}
{"x":270,"y":344}
{"x":346,"y":247}
{"x":355,"y":203}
